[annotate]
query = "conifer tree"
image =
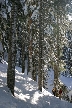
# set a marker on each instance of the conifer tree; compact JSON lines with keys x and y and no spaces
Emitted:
{"x":12,"y":18}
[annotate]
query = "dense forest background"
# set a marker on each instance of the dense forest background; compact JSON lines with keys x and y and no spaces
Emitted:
{"x":39,"y":31}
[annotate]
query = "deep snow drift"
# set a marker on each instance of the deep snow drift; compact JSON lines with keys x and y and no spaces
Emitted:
{"x":26,"y":93}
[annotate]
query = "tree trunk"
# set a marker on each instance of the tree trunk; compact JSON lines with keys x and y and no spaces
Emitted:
{"x":40,"y":69}
{"x":23,"y":50}
{"x":12,"y":51}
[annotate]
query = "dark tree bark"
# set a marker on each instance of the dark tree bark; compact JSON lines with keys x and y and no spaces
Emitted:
{"x":12,"y":50}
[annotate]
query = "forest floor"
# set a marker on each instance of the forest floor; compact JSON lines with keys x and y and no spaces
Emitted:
{"x":26,"y":93}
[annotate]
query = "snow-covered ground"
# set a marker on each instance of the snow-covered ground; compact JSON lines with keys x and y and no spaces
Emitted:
{"x":26,"y":93}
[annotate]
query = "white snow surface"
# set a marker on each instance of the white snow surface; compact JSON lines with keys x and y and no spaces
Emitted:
{"x":27,"y":94}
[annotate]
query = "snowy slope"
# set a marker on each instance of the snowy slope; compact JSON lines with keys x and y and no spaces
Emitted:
{"x":26,"y":93}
